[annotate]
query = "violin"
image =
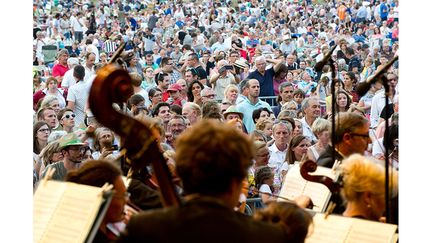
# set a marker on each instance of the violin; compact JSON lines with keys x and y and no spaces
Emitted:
{"x":113,"y":85}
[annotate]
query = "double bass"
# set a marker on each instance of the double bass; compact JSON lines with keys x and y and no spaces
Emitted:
{"x":112,"y":85}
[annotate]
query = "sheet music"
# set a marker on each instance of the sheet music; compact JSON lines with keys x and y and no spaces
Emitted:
{"x":369,"y":231}
{"x":64,"y":212}
{"x":294,"y":185}
{"x":330,"y":230}
{"x":340,"y":229}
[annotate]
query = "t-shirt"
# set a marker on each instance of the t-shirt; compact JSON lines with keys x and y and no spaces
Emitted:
{"x":78,"y":94}
{"x":60,"y":171}
{"x":265,"y":81}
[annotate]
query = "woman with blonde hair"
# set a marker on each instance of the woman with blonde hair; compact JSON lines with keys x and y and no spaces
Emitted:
{"x":231,"y":93}
{"x":149,"y":78}
{"x":321,"y":128}
{"x":363,"y":187}
{"x":52,"y":102}
{"x":49,"y":155}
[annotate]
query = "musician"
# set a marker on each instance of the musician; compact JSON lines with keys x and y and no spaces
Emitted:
{"x":97,"y":173}
{"x":212,"y":161}
{"x":363,"y":187}
{"x":295,"y":220}
{"x":351,"y":136}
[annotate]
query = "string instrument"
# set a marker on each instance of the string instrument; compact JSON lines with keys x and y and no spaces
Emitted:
{"x":309,"y":166}
{"x":113,"y":85}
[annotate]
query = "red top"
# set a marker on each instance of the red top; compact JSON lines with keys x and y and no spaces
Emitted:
{"x":59,"y":70}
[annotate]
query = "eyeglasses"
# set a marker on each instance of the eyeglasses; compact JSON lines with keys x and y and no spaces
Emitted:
{"x":68,"y":116}
{"x":44,"y":130}
{"x":210,"y":96}
{"x":170,"y":63}
{"x":360,"y":135}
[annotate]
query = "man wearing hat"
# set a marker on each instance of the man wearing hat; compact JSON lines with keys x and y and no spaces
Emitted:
{"x":287,"y":46}
{"x":175,"y":96}
{"x":232,"y":113}
{"x":72,"y":149}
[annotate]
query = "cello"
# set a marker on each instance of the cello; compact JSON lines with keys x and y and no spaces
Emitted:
{"x":112,"y":85}
{"x":309,"y":166}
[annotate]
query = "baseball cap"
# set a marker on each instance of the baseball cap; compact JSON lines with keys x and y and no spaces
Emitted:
{"x":174,"y":87}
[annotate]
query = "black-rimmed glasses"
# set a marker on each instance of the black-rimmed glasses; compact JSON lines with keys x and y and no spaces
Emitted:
{"x":360,"y":135}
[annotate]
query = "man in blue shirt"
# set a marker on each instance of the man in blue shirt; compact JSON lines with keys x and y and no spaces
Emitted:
{"x":265,"y":76}
{"x":383,"y":10}
{"x":251,"y":103}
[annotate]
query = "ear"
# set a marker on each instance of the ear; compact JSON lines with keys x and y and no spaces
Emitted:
{"x":367,"y":197}
{"x":346,"y":137}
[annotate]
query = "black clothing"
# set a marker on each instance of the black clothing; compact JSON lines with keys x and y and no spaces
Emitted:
{"x":200,"y":220}
{"x":326,"y":160}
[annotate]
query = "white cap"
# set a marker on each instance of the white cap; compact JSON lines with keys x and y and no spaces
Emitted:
{"x":73,"y":61}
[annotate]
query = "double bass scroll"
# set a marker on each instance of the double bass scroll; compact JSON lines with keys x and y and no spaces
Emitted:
{"x":113,"y":85}
{"x":310,"y":166}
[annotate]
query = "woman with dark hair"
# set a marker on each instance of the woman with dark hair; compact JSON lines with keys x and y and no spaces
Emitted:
{"x":260,"y":113}
{"x":136,"y":104}
{"x":41,"y":132}
{"x":194,"y":92}
{"x":297,"y":148}
{"x":338,"y":85}
{"x":343,"y":101}
{"x":132,"y":63}
{"x":350,"y":82}
{"x":155,"y":96}
{"x":97,"y":173}
{"x":290,"y":216}
{"x":279,"y":77}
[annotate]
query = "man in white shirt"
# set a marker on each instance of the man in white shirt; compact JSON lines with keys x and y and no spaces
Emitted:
{"x":312,"y":111}
{"x":77,"y":26}
{"x":68,"y":78}
{"x":89,"y":65}
{"x":278,"y":150}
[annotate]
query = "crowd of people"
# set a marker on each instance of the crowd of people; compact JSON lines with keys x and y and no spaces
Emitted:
{"x":210,"y":73}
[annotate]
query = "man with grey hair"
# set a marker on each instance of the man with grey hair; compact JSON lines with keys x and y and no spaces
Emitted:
{"x":312,"y":111}
{"x":244,"y":91}
{"x":265,"y":76}
{"x":176,"y":126}
{"x":192,"y":112}
{"x":282,"y":135}
{"x":207,"y":94}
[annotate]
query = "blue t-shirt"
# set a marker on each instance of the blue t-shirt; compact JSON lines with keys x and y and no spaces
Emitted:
{"x":265,"y":81}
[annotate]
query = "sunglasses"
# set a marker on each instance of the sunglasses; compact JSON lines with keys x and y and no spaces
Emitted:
{"x":69,"y":116}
